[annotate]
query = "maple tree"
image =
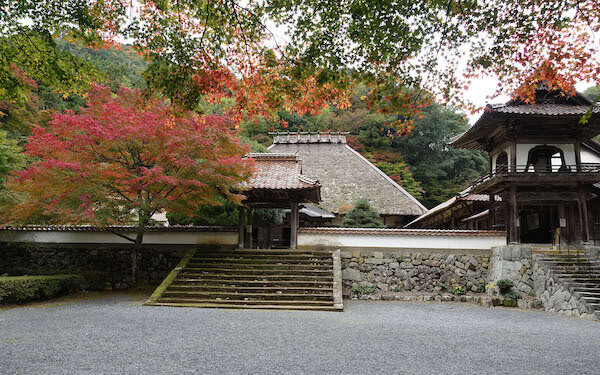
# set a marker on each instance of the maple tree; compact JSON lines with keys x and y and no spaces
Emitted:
{"x":400,"y":48}
{"x":124,"y":158}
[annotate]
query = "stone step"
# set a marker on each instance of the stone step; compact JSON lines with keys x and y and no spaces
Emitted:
{"x":258,"y":266}
{"x":235,"y":255}
{"x":256,"y":277}
{"x":216,"y":305}
{"x":244,"y":302}
{"x":269,"y":252}
{"x":577,"y":268}
{"x":581,"y":286}
{"x":260,"y":295}
{"x":594,"y":306}
{"x":565,"y":261}
{"x":574,"y":274}
{"x":241,"y":282}
{"x":243,"y":289}
{"x":327,"y":261}
{"x":266,"y":272}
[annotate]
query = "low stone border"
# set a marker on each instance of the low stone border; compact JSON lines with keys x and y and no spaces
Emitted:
{"x":482,"y":300}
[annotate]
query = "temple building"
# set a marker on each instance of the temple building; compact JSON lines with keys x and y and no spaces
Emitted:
{"x":345,"y":177}
{"x":277,"y":182}
{"x":543,"y":184}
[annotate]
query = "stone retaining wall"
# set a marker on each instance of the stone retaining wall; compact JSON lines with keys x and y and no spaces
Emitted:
{"x":114,"y":262}
{"x":555,"y":297}
{"x":413,"y":271}
{"x":513,"y":262}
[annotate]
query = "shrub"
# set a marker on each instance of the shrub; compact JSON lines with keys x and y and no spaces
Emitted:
{"x":363,"y":288}
{"x":362,"y":216}
{"x":28,"y":288}
{"x":512,"y":294}
{"x":505,"y":286}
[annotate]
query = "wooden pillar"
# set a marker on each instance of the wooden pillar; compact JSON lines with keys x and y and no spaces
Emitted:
{"x":578,"y":155}
{"x":294,"y":226}
{"x":249,"y":229}
{"x":514,"y":216}
{"x":583,"y":215}
{"x":241,"y":210}
{"x":513,"y":156}
{"x":491,"y":212}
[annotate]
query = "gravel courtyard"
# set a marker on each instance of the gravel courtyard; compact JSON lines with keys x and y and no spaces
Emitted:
{"x":116,"y":335}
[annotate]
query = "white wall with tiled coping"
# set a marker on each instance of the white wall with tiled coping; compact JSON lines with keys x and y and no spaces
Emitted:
{"x":399,"y":238}
{"x":307,"y":238}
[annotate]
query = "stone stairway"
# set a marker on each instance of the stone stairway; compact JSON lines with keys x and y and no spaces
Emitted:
{"x":577,"y":274}
{"x":256,"y":279}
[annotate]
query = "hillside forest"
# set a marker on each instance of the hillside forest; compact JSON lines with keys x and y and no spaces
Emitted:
{"x":421,"y":162}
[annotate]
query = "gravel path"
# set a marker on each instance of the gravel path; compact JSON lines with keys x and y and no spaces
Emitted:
{"x":116,"y":335}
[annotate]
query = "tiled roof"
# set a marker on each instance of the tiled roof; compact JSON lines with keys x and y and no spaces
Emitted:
{"x":279,"y":172}
{"x":114,"y":228}
{"x":308,"y":137}
{"x":462,"y":196}
{"x":410,"y":232}
{"x":346,"y":176}
{"x":548,"y":105}
{"x":543,"y":109}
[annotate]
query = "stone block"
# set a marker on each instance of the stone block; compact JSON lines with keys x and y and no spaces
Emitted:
{"x":346,"y":254}
{"x":378,"y":254}
{"x":374,"y":260}
{"x":394,"y":265}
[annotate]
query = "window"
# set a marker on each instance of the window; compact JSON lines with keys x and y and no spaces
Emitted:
{"x":502,"y":163}
{"x":546,"y":159}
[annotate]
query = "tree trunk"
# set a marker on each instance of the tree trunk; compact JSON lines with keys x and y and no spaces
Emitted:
{"x":135,"y":254}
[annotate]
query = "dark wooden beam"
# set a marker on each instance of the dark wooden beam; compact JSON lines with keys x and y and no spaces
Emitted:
{"x":241,"y":210}
{"x":583,"y":215}
{"x":294,"y":226}
{"x":249,"y":229}
{"x":514,"y":215}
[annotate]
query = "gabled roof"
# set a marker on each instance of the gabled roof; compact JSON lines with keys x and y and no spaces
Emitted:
{"x":279,"y":172}
{"x":553,"y":109}
{"x":345,"y":175}
{"x":463,"y":196}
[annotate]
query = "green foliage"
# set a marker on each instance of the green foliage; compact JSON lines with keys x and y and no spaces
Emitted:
{"x":457,"y":289}
{"x":505,"y":286}
{"x":19,"y":289}
{"x":592,"y":92}
{"x":512,"y":294}
{"x":363,"y":288}
{"x":255,"y":145}
{"x":481,"y":288}
{"x":11,"y":159}
{"x":362,"y":215}
{"x":441,"y":170}
{"x":268,"y":216}
{"x":225,"y":214}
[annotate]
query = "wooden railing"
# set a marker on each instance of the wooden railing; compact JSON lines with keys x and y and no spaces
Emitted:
{"x":505,"y":170}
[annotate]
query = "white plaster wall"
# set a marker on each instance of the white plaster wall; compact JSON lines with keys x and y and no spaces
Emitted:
{"x":400,"y":241}
{"x":588,"y":156}
{"x":494,"y":156}
{"x":156,"y":238}
{"x":523,"y":151}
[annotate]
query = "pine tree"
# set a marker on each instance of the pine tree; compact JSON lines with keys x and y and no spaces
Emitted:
{"x":362,"y":215}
